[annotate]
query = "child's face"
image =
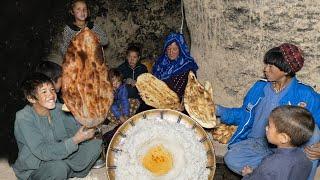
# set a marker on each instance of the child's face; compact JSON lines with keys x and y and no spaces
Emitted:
{"x":132,"y":58}
{"x":173,"y":51}
{"x":115,"y":83}
{"x":272,"y":134}
{"x":273,"y":73}
{"x":45,"y":97}
{"x":80,"y":11}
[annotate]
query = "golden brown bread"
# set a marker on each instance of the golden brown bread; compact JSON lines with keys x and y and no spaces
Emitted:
{"x":198,"y":101}
{"x":156,"y":93}
{"x":86,"y":90}
{"x":222,"y":133}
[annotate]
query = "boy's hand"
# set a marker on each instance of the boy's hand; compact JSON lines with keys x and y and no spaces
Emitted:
{"x":246,"y":170}
{"x":82,"y":135}
{"x":313,"y":151}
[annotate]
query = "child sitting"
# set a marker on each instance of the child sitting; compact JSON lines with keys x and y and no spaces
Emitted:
{"x":122,"y":107}
{"x":289,"y":127}
{"x":51,"y":145}
{"x":131,"y":69}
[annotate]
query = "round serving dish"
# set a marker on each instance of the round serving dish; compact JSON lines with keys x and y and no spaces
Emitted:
{"x":170,"y":116}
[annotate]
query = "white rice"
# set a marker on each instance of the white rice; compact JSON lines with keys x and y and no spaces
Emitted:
{"x":189,"y":155}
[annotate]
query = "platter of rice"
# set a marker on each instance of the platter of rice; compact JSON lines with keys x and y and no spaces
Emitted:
{"x":160,"y":144}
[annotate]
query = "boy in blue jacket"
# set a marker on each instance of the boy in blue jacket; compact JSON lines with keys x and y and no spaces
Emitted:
{"x":121,"y":106}
{"x":249,"y":145}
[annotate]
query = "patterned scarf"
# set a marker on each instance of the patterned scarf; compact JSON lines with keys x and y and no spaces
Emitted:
{"x":165,"y":68}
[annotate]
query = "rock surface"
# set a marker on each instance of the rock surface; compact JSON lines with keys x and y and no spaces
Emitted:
{"x":145,"y":23}
{"x":229,"y":39}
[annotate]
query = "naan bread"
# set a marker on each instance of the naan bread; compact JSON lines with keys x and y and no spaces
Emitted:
{"x":156,"y":93}
{"x":198,"y":101}
{"x":86,"y":90}
{"x":222,"y":133}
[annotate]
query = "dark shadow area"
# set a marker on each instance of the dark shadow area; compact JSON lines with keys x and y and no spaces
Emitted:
{"x":27,"y":31}
{"x":223,"y":172}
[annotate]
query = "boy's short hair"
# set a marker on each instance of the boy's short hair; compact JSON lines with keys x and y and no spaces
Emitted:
{"x":134,"y":48}
{"x":50,"y":69}
{"x":115,"y":73}
{"x":275,"y":57}
{"x":297,"y":122}
{"x":32,"y":82}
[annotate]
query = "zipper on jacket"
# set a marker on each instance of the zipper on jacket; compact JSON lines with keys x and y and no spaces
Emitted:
{"x":246,"y":122}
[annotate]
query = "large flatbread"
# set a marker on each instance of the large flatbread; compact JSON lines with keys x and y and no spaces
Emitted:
{"x":156,"y":93}
{"x":198,"y":101}
{"x":86,"y":91}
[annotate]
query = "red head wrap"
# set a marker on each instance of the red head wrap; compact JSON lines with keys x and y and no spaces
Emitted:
{"x":292,"y":55}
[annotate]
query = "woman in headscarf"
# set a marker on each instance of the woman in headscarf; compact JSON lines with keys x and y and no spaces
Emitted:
{"x":175,"y":63}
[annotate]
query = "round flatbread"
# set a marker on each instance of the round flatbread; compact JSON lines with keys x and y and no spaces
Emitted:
{"x":156,"y":93}
{"x":198,"y":101}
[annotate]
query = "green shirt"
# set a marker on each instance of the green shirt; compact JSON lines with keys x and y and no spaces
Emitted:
{"x":38,"y":141}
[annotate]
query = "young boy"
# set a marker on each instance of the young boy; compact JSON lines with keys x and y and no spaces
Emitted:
{"x":289,"y":127}
{"x":131,"y":69}
{"x":53,"y":71}
{"x":122,"y":107}
{"x":51,"y":145}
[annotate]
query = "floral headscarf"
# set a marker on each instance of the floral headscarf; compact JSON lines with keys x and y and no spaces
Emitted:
{"x":165,"y":68}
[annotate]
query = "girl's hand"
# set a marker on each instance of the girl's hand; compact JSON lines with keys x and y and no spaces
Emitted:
{"x":83,"y":135}
{"x":313,"y":151}
{"x":246,"y":170}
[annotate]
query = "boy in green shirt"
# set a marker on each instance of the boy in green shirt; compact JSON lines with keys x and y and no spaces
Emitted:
{"x":51,"y":145}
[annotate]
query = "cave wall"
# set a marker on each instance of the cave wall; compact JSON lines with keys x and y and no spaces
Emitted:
{"x":229,"y":39}
{"x":144,"y":22}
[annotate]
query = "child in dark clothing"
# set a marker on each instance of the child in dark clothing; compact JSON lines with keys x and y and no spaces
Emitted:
{"x":289,"y":127}
{"x":131,"y":69}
